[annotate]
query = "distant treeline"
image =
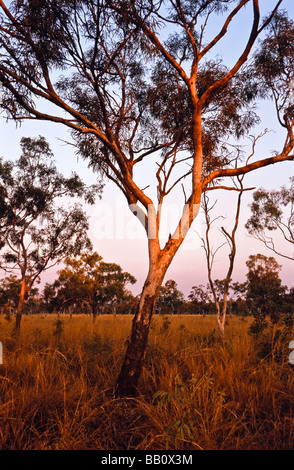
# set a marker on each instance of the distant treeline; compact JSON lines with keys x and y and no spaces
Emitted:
{"x":103,"y":291}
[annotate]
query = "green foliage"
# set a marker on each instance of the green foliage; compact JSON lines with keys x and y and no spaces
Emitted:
{"x":58,"y":328}
{"x":272,"y":332}
{"x":91,"y":283}
{"x":180,"y":396}
{"x":271,"y":343}
{"x":180,"y":402}
{"x":96,"y":345}
{"x":9,"y":292}
{"x":170,"y":298}
{"x":37,"y":229}
{"x":273,"y":64}
{"x":182,"y":327}
{"x":165,"y":324}
{"x":207,"y":339}
{"x":259,"y":324}
{"x":265,"y":292}
{"x":7,"y":315}
{"x":107,"y":41}
{"x":36,"y":233}
{"x":199,"y":299}
{"x":272,"y":211}
{"x":9,"y":295}
{"x":264,"y":286}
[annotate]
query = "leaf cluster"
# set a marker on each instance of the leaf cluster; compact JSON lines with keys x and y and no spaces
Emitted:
{"x":267,"y":208}
{"x":264,"y":286}
{"x":170,"y":297}
{"x":273,"y":211}
{"x":89,"y":281}
{"x":35,"y":229}
{"x":116,"y":81}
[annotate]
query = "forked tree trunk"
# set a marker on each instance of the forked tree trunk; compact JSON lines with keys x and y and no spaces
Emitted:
{"x":134,"y":358}
{"x":159,"y":261}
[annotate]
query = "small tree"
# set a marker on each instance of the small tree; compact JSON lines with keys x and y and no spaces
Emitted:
{"x":264,"y":289}
{"x":170,"y":298}
{"x":9,"y":294}
{"x":91,"y":282}
{"x":198,"y":298}
{"x":220,"y":288}
{"x":36,"y":233}
{"x":273,"y":211}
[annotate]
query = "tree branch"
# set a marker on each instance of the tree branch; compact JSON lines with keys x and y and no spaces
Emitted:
{"x":284,"y":156}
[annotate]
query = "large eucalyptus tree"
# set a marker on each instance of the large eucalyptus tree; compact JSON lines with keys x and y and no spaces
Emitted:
{"x":138,"y":81}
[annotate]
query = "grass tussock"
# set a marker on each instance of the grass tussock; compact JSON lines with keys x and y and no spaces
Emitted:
{"x":56,"y":386}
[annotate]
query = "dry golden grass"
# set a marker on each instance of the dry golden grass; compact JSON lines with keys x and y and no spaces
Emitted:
{"x":57,"y":380}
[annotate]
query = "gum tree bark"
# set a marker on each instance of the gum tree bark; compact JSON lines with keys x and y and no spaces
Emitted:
{"x":159,"y":262}
{"x":127,"y":382}
{"x":20,"y":305}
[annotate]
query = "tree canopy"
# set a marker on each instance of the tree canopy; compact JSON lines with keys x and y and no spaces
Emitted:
{"x":170,"y":298}
{"x":10,"y":288}
{"x":264,"y":286}
{"x":125,"y":93}
{"x":36,"y":233}
{"x":271,"y":212}
{"x":89,"y":281}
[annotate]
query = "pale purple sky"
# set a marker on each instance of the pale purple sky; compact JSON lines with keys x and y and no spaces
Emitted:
{"x":123,"y":240}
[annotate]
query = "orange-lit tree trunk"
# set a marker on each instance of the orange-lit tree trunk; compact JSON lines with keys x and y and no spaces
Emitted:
{"x":134,"y":358}
{"x":159,"y":262}
{"x":21,"y":301}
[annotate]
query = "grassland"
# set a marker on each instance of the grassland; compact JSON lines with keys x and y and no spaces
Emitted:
{"x":57,"y":378}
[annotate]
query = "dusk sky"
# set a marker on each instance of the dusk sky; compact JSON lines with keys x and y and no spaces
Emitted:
{"x":117,"y":235}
